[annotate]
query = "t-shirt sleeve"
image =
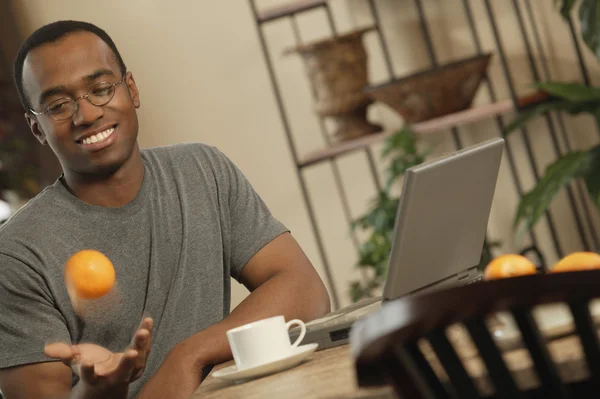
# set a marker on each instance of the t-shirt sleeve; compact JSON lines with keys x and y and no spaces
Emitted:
{"x":28,"y":319}
{"x":252,"y":225}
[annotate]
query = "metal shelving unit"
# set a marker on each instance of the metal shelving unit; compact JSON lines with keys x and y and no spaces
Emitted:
{"x":494,"y":110}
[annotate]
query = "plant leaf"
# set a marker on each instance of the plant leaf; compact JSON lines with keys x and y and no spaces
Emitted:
{"x":572,"y":108}
{"x":526,"y":116}
{"x":565,"y":7}
{"x":378,"y":216}
{"x":357,"y":292}
{"x":535,"y":203}
{"x":402,"y":148}
{"x":573,"y":98}
{"x":589,"y":19}
{"x":574,"y":92}
{"x":486,"y":254}
{"x":592,"y":177}
{"x":403,"y":141}
{"x":398,"y":166}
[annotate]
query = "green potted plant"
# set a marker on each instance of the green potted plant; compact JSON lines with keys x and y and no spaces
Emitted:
{"x":574,"y":99}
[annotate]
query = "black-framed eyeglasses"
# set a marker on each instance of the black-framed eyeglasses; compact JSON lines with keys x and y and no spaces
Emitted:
{"x":64,"y":108}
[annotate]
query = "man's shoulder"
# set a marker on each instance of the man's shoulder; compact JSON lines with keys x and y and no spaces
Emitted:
{"x":179,"y":150}
{"x":31,"y":218}
{"x":184,"y":157}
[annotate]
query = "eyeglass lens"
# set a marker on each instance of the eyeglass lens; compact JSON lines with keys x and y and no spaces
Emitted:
{"x":98,"y":95}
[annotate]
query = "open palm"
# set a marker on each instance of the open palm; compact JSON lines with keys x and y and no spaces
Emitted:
{"x":99,"y":367}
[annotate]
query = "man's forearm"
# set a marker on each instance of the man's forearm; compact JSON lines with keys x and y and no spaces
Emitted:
{"x":287,"y":294}
{"x":83,"y":391}
{"x":281,"y":295}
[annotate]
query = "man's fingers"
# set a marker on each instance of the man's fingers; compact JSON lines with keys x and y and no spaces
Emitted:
{"x":60,"y":350}
{"x":141,"y":344}
{"x":87,"y":372}
{"x":148,"y":324}
{"x":140,"y":340}
{"x":127,"y":365}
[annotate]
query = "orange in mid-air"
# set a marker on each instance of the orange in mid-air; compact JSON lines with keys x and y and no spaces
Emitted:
{"x":577,"y":261}
{"x":89,"y":274}
{"x":509,"y":265}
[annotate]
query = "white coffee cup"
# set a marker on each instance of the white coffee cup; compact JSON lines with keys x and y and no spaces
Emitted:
{"x":263,"y":341}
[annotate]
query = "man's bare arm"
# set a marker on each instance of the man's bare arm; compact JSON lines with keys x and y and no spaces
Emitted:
{"x":41,"y":380}
{"x":47,"y":381}
{"x":103,"y":374}
{"x":282,"y":281}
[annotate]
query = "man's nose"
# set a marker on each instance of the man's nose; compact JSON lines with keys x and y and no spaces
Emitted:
{"x":86,"y":113}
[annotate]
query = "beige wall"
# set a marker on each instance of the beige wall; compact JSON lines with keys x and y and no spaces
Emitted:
{"x":203,"y":78}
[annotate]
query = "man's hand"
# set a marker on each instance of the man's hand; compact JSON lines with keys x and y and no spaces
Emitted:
{"x":102,"y":370}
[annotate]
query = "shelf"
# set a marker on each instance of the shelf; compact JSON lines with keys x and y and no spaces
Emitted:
{"x":431,"y":126}
{"x":288,"y":9}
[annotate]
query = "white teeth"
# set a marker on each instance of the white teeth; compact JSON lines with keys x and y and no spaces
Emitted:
{"x":98,"y":137}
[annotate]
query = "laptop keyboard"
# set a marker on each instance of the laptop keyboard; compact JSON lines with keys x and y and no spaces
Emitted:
{"x":475,"y":280}
{"x":365,"y":310}
{"x":355,"y":310}
{"x":322,"y":319}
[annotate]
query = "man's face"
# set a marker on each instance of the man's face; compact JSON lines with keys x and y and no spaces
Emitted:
{"x":67,"y":69}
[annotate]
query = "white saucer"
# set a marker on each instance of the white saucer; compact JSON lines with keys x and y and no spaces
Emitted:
{"x":300,"y":353}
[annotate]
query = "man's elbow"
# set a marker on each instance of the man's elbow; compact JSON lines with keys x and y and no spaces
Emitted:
{"x":325,"y":300}
{"x":319,"y":298}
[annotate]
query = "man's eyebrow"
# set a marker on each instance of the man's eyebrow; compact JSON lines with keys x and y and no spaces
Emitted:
{"x":98,"y":73}
{"x":51,"y":92}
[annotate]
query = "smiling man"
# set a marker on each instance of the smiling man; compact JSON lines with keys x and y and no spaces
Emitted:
{"x":177,"y":222}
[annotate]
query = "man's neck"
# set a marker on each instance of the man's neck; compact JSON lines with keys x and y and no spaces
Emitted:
{"x":115,"y":190}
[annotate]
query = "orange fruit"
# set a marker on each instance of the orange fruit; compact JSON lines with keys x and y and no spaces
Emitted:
{"x":577,"y":261}
{"x":89,"y":274}
{"x":509,"y":265}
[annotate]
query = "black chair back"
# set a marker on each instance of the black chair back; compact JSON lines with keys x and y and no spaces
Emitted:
{"x":388,"y":346}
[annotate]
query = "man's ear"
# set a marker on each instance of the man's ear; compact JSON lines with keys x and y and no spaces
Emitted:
{"x":35,"y":128}
{"x":133,"y":89}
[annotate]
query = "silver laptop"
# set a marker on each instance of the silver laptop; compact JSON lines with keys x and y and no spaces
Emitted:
{"x":440,"y":228}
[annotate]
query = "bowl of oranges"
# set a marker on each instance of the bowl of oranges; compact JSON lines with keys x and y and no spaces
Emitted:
{"x":514,"y":265}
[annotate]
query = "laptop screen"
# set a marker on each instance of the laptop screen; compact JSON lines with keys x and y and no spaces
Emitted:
{"x":442,"y":218}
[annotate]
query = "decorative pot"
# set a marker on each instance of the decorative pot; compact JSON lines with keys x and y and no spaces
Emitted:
{"x":337,"y":70}
{"x":433,"y":93}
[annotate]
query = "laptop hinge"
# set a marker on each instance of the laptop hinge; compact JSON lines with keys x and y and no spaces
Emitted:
{"x":463,"y":275}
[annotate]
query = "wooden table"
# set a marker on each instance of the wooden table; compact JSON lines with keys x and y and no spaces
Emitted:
{"x":330,"y":373}
{"x":327,"y":373}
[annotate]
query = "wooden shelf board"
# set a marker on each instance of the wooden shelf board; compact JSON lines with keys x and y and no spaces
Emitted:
{"x":289,"y":9}
{"x":465,"y":117}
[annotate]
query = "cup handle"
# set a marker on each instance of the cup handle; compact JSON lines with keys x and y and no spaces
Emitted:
{"x":302,"y":326}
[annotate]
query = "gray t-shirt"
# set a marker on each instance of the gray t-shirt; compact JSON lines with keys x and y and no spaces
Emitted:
{"x":195,"y":223}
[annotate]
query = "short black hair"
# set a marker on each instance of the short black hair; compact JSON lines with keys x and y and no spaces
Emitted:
{"x":51,"y":33}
